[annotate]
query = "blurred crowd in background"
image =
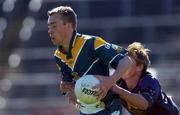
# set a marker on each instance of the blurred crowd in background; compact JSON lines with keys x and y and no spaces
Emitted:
{"x":29,"y":79}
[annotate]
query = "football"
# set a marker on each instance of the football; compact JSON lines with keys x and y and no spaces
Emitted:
{"x":83,"y":89}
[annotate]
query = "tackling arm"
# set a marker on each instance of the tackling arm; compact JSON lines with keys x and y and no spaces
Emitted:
{"x":134,"y":99}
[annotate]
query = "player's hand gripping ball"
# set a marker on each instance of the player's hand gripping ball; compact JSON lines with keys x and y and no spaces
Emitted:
{"x":83,"y":89}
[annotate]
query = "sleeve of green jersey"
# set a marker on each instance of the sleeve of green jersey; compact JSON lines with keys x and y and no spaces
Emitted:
{"x":109,"y":53}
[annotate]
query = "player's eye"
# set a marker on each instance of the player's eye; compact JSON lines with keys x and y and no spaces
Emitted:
{"x":53,"y":26}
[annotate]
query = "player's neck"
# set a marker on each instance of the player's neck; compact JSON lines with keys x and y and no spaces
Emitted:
{"x":67,"y":42}
{"x":65,"y":48}
{"x":132,"y":83}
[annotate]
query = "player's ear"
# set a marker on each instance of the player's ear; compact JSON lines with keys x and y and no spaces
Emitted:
{"x":69,"y":25}
{"x":140,"y":67}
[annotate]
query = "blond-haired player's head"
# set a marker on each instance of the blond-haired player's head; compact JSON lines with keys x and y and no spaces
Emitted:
{"x":140,"y":54}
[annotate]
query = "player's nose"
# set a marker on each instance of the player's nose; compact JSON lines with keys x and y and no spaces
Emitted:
{"x":50,"y":32}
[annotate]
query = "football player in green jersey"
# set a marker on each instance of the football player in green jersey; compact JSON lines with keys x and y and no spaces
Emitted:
{"x":79,"y":54}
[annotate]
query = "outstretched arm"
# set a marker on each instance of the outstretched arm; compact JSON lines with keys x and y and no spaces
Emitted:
{"x":134,"y":99}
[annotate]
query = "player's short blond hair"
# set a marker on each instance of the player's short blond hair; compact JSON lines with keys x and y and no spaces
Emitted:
{"x":66,"y":13}
{"x":139,"y":53}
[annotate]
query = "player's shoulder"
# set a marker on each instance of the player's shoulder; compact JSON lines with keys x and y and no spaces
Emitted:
{"x":149,"y":76}
{"x":149,"y":80}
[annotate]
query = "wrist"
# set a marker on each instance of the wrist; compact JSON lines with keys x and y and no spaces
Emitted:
{"x":111,"y":81}
{"x":114,"y":79}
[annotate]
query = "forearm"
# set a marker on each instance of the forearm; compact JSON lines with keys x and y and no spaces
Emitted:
{"x":122,"y":67}
{"x":134,"y":99}
{"x":107,"y":82}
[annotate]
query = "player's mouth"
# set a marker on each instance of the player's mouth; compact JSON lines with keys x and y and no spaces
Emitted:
{"x":52,"y":38}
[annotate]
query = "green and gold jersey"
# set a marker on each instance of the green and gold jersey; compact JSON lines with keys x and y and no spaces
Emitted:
{"x":87,"y":55}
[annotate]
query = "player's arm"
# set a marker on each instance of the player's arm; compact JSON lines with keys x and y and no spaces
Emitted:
{"x":123,"y":65}
{"x":66,"y":81}
{"x":107,"y":82}
{"x":65,"y":86}
{"x":134,"y":99}
{"x":67,"y":89}
{"x":149,"y":89}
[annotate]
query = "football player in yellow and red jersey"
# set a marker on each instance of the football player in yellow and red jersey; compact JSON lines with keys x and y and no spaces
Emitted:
{"x":80,"y":54}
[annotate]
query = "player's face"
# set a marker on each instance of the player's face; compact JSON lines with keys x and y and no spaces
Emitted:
{"x":57,"y":29}
{"x":130,"y":72}
{"x":133,"y":71}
